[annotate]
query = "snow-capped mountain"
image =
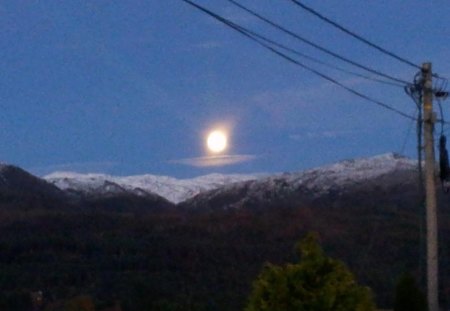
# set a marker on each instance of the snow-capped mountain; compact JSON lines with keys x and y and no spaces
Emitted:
{"x":349,"y":172}
{"x":174,"y":190}
{"x":380,"y":172}
{"x":209,"y":188}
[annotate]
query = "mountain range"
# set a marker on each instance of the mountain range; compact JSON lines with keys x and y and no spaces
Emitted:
{"x":199,"y":191}
{"x":172,"y":189}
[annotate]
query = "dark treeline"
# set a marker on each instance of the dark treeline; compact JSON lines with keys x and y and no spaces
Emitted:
{"x":171,"y":259}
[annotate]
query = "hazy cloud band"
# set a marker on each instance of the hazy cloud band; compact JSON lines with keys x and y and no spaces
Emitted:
{"x":215,"y":160}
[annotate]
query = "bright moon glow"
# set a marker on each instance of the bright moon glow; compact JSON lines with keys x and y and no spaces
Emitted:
{"x":216,"y":141}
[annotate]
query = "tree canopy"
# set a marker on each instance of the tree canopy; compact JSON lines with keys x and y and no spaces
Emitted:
{"x":316,"y":283}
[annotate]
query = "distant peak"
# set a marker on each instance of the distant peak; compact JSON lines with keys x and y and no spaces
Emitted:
{"x":3,"y":166}
{"x":65,"y":174}
{"x":384,"y":157}
{"x":391,"y":155}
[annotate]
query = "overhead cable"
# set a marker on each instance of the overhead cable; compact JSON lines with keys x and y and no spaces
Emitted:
{"x":354,"y":35}
{"x":317,"y":46}
{"x":291,"y":60}
{"x":408,"y":132}
{"x":313,"y":59}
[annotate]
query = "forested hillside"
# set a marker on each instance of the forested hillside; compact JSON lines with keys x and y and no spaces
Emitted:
{"x":203,"y":260}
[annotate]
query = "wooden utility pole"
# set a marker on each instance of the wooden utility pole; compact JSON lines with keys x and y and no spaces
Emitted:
{"x":430,"y":189}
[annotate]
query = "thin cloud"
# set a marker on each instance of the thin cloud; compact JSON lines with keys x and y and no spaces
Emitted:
{"x":238,"y":16}
{"x":214,"y":161}
{"x":334,"y":134}
{"x":319,"y":135}
{"x":80,"y":167}
{"x":207,"y":45}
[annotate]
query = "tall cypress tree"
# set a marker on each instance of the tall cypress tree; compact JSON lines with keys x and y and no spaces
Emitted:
{"x":408,"y":296}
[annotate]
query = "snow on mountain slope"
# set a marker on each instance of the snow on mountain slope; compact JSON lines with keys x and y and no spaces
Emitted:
{"x":350,"y":171}
{"x":318,"y":180}
{"x":310,"y":183}
{"x":174,"y":190}
{"x":343,"y":173}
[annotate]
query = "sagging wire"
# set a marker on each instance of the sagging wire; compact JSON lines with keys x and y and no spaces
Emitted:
{"x":440,"y":94}
{"x":415,"y":92}
{"x":408,"y":132}
{"x":273,"y":49}
{"x":440,"y":87}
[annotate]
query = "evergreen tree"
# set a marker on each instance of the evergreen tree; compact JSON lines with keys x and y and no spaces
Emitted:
{"x":316,"y":283}
{"x":80,"y":303}
{"x":408,"y":297}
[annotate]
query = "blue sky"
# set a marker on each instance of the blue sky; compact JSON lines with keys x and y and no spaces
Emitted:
{"x":132,"y":87}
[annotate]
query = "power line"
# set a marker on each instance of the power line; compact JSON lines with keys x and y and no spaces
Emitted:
{"x":315,"y":45}
{"x":408,"y":132}
{"x":439,"y":93}
{"x":356,"y":36}
{"x":291,"y":60}
{"x":313,"y":59}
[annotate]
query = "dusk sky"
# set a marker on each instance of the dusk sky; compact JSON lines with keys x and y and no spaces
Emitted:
{"x":133,"y":87}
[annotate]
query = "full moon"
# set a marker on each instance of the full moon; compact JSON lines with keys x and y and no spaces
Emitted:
{"x":217,"y":141}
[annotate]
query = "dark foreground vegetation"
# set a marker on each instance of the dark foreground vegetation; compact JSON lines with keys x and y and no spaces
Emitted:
{"x":173,"y":259}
